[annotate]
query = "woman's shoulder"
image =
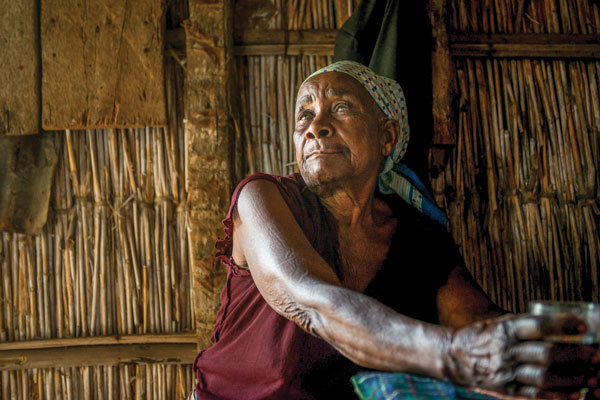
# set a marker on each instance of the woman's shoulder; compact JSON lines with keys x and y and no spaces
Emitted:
{"x":304,"y":204}
{"x":290,"y":182}
{"x":291,"y":188}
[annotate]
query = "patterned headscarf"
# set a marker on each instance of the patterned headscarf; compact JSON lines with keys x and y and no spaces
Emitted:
{"x":394,"y":177}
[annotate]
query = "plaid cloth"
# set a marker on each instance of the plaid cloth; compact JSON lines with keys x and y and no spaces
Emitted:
{"x":400,"y":386}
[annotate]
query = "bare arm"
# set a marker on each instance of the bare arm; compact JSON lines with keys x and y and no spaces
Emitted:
{"x":461,"y":301}
{"x":298,"y":284}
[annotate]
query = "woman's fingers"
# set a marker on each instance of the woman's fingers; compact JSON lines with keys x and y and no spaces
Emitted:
{"x":510,"y":352}
{"x":535,"y":393}
{"x":546,"y":353}
{"x":556,"y":368}
{"x":532,"y":327}
{"x":531,"y":352}
{"x":542,"y":378}
{"x":530,"y":375}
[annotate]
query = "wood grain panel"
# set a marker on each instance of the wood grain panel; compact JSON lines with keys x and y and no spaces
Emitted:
{"x":102,"y":63}
{"x":19,"y":74}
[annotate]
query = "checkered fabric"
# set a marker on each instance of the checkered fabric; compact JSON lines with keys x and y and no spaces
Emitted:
{"x":401,"y":386}
{"x":394,"y":177}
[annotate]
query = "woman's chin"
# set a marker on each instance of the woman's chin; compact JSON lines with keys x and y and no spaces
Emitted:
{"x":323,"y":184}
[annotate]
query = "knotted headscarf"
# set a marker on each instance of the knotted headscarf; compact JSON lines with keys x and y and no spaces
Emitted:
{"x":394,"y":177}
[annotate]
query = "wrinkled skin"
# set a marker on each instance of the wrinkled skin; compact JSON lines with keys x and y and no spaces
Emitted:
{"x":340,"y":141}
{"x":507,"y":354}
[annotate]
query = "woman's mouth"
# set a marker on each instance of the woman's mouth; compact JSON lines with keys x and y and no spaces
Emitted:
{"x":322,"y":152}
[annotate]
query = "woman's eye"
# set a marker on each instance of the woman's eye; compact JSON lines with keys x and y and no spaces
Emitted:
{"x":303,"y":116}
{"x":341,"y":107}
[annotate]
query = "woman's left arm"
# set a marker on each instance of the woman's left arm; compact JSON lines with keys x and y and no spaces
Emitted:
{"x":461,"y":301}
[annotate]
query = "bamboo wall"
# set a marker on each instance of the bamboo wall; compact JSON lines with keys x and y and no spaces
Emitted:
{"x":100,"y":382}
{"x":522,"y":184}
{"x":113,"y":259}
{"x":269,"y":83}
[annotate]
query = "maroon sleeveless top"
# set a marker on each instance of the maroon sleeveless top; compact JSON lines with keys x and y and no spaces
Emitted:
{"x":258,"y":354}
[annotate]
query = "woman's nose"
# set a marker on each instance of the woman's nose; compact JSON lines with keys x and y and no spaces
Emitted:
{"x":320,"y":133}
{"x":319,"y":128}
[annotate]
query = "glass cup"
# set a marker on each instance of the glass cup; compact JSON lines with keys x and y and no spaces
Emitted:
{"x":589,"y":312}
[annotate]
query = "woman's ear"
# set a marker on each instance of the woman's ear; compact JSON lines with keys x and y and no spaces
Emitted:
{"x":390,"y":131}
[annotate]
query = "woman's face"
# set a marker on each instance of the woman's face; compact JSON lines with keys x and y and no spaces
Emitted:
{"x":337,"y":135}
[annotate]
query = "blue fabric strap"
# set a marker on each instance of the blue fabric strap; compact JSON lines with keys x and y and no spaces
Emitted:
{"x":427,"y":204}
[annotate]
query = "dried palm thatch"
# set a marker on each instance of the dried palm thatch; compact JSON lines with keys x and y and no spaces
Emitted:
{"x":522,"y":186}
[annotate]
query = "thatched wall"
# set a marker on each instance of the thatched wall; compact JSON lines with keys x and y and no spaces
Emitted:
{"x":109,"y":278}
{"x":113,"y":259}
{"x":522,"y":183}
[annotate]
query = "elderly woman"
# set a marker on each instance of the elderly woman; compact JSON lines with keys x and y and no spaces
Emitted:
{"x":348,"y":266}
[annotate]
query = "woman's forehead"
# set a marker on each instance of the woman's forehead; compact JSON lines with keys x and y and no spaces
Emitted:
{"x":330,"y":84}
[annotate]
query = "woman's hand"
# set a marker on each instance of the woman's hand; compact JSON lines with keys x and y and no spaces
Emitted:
{"x":507,"y":354}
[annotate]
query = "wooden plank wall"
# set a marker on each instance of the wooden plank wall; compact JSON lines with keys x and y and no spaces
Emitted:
{"x":19,"y":80}
{"x":102,"y":64}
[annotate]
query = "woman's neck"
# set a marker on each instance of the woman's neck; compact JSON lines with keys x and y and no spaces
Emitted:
{"x":355,"y":206}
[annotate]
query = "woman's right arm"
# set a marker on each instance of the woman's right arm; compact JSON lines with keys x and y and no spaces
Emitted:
{"x":298,"y":284}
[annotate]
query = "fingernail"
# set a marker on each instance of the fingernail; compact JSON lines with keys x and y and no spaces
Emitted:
{"x":592,"y":382}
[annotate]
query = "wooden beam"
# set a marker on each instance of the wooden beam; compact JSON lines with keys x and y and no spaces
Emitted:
{"x":179,"y":338}
{"x":529,"y":45}
{"x":210,"y":138}
{"x":279,"y":36}
{"x":281,"y":42}
{"x":281,"y":50}
{"x":444,"y":89}
{"x":525,"y":45}
{"x":77,"y":356}
{"x":321,"y":42}
{"x":443,"y":76}
{"x":266,"y":42}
